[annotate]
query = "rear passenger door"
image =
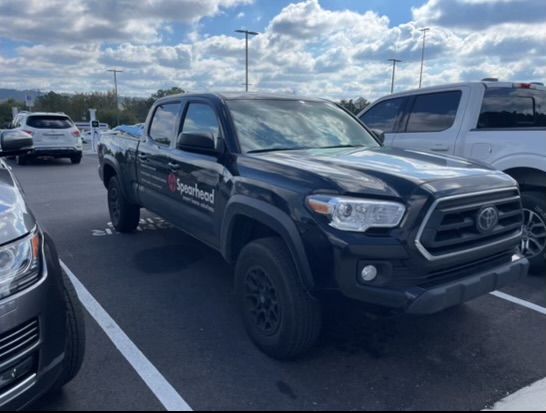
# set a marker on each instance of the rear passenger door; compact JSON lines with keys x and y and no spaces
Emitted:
{"x":385,"y":116}
{"x":153,"y":158}
{"x":433,"y":121}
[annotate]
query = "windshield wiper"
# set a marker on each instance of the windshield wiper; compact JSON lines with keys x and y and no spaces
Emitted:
{"x":340,"y":146}
{"x":278,"y":149}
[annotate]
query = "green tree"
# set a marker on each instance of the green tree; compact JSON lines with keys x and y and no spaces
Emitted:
{"x":5,"y":112}
{"x":175,"y":90}
{"x":354,"y":106}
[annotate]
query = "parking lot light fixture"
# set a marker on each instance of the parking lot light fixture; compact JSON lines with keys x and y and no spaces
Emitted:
{"x":394,"y":62}
{"x":246,"y":33}
{"x":425,"y":30}
{"x":115,"y":71}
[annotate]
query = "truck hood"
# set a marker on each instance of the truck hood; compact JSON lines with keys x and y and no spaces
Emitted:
{"x":391,"y":171}
{"x":15,"y":218}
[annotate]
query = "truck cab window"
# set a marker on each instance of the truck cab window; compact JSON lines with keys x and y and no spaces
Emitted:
{"x":384,"y":115}
{"x":434,"y":112}
{"x":505,"y":108}
{"x":163,"y":123}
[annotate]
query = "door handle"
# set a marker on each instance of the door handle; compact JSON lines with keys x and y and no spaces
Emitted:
{"x":440,"y":148}
{"x":173,"y":166}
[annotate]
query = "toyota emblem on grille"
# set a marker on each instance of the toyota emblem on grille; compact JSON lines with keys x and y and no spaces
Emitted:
{"x":488,"y":219}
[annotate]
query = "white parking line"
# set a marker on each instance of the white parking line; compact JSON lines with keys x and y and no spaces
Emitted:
{"x":160,"y":387}
{"x":519,"y":301}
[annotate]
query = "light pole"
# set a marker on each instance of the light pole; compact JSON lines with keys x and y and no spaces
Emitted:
{"x":394,"y":62}
{"x":425,"y":30}
{"x":115,"y":72}
{"x":246,"y":33}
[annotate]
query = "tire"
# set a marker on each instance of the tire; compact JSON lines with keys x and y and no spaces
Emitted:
{"x":76,"y":160}
{"x":75,"y":336}
{"x":534,"y":238}
{"x":125,"y":216}
{"x":22,"y":160}
{"x":280,"y":316}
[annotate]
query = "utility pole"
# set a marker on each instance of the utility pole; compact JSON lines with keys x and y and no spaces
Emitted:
{"x":115,"y":71}
{"x":246,"y":33}
{"x":425,"y":30}
{"x":394,"y":62}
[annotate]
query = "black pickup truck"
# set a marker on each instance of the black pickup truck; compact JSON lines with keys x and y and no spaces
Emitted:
{"x":306,"y":201}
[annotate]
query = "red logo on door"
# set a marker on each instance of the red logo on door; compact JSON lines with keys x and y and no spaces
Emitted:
{"x":171,"y":180}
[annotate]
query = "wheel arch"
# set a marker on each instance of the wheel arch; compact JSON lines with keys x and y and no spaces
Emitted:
{"x":270,"y":220}
{"x":528,"y":177}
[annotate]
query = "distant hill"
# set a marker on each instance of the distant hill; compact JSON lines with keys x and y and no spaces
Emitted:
{"x":18,"y":95}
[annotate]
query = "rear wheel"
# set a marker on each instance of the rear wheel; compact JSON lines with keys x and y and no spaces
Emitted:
{"x":533,"y":244}
{"x":76,"y":159}
{"x":75,"y":336}
{"x":124,"y":215}
{"x":22,"y":160}
{"x":280,"y":316}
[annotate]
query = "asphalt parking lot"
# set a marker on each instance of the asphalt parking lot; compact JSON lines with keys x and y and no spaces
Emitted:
{"x":173,"y":298}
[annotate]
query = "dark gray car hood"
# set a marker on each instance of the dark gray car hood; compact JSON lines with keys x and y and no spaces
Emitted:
{"x":15,"y":218}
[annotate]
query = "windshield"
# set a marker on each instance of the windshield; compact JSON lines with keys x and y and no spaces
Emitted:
{"x":268,"y":125}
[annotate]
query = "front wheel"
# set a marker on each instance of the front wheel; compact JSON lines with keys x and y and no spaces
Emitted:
{"x":280,"y":316}
{"x":533,"y":244}
{"x":75,"y":336}
{"x":124,"y":215}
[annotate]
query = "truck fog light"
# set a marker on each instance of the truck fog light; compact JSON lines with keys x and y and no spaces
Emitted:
{"x":369,"y":273}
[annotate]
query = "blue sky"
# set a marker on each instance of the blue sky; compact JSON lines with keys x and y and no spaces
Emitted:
{"x":330,"y":48}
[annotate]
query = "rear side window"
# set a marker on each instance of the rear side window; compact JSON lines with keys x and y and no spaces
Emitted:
{"x":384,"y":115}
{"x":49,"y":122}
{"x":163,"y":124}
{"x":434,"y":112}
{"x":506,"y":108}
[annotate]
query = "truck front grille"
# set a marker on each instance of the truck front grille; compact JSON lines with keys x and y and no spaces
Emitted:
{"x":19,"y":341}
{"x":455,"y":225}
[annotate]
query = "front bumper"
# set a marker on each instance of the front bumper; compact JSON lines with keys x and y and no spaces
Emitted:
{"x":429,"y":300}
{"x":43,"y":303}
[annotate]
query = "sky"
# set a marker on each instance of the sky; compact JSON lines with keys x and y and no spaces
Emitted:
{"x":328,"y":48}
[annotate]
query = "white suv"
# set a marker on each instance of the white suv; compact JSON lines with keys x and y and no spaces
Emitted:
{"x":54,"y":135}
{"x":498,"y":123}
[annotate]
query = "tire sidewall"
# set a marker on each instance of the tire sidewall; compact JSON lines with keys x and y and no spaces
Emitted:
{"x":536,"y":202}
{"x":258,"y":256}
{"x":113,"y":185}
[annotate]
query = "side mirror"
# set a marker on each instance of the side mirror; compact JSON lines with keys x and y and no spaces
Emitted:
{"x":15,"y":142}
{"x":380,"y":135}
{"x":202,"y":142}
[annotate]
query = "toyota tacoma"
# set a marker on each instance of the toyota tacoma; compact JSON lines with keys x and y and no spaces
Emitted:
{"x":305,"y":201}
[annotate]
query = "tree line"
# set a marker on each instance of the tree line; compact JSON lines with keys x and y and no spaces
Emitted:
{"x":131,"y":110}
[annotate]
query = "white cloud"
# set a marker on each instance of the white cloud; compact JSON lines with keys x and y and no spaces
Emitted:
{"x":304,"y":49}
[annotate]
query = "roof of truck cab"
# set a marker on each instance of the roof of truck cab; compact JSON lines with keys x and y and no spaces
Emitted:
{"x":439,"y":88}
{"x":240,"y":96}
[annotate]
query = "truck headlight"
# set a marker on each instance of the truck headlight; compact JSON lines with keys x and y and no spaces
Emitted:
{"x":19,"y":264}
{"x":358,"y":215}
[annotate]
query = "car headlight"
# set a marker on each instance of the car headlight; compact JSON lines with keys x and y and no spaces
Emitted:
{"x":358,"y":215}
{"x":19,"y":264}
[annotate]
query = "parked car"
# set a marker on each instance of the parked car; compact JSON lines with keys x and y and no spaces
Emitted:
{"x":499,"y":123}
{"x":54,"y":135}
{"x":42,"y":335}
{"x":305,"y":202}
